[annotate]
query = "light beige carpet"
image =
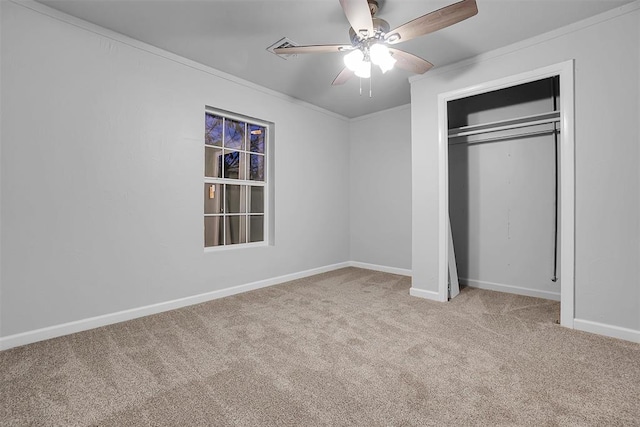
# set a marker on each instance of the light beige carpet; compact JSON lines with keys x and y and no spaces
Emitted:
{"x":350,"y":347}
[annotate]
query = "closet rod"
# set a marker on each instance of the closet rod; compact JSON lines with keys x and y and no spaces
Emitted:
{"x":507,"y":137}
{"x":524,"y":119}
{"x":505,"y":127}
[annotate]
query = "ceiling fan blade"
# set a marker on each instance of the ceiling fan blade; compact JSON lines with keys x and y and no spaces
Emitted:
{"x":410,"y":62}
{"x":327,"y":48}
{"x":342,"y":78}
{"x":433,"y":21}
{"x":359,"y":16}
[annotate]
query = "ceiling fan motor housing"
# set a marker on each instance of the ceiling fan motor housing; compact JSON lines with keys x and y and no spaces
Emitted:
{"x":380,"y":28}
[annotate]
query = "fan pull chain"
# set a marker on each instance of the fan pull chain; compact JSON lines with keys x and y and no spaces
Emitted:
{"x":370,"y":88}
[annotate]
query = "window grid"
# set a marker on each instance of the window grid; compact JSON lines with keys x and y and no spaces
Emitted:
{"x":244,"y":183}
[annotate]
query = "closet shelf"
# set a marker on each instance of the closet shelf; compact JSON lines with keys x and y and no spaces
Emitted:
{"x":520,"y":122}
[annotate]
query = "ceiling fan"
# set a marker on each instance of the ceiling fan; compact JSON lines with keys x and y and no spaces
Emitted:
{"x":371,"y":38}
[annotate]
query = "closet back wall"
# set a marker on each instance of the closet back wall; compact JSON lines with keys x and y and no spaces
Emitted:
{"x":102,"y":175}
{"x":502,"y":193}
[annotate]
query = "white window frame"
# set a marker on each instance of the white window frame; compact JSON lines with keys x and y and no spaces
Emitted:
{"x":242,"y":182}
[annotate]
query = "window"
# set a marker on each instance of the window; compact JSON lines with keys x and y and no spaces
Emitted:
{"x":235,"y":194}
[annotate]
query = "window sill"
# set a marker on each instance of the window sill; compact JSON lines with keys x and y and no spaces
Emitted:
{"x":234,"y":247}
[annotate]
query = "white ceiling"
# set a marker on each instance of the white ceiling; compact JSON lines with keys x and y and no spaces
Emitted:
{"x":232,"y":36}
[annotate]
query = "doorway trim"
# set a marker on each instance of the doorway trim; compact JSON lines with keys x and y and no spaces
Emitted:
{"x":565,"y":71}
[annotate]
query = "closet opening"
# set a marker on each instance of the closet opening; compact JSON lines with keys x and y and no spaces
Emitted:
{"x":507,"y":203}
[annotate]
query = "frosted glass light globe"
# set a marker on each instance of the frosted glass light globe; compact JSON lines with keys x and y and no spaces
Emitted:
{"x":387,"y":64}
{"x":364,"y":70}
{"x":353,"y":59}
{"x":379,"y":53}
{"x":381,"y":56}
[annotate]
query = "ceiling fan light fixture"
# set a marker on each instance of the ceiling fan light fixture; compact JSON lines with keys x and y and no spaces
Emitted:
{"x":379,"y":53}
{"x":381,"y":56}
{"x":364,"y":70}
{"x":387,"y":64}
{"x":353,"y":59}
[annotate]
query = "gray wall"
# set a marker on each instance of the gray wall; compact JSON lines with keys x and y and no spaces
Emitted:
{"x":502,"y":194}
{"x":102,"y":147}
{"x":607,"y":75}
{"x":380,"y":188}
{"x":102,"y":175}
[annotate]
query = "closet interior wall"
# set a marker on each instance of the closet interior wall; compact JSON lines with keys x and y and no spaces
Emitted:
{"x":502,"y":192}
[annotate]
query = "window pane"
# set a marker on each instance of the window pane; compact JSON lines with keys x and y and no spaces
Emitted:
{"x":234,"y":134}
{"x":213,"y":198}
{"x":256,"y":199}
{"x":213,"y":130}
{"x":213,"y":232}
{"x":235,"y":164}
{"x":256,"y":228}
{"x":236,"y":229}
{"x":236,"y":198}
{"x":256,"y":138}
{"x":256,"y":172}
{"x":213,"y":162}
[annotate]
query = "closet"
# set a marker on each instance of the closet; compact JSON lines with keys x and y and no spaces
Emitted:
{"x":504,"y":188}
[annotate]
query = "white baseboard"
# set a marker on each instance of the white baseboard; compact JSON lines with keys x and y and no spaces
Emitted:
{"x":421,"y":293}
{"x":383,"y":268}
{"x":607,"y":330}
{"x":29,"y":337}
{"x":555,"y":296}
{"x":121,"y":316}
